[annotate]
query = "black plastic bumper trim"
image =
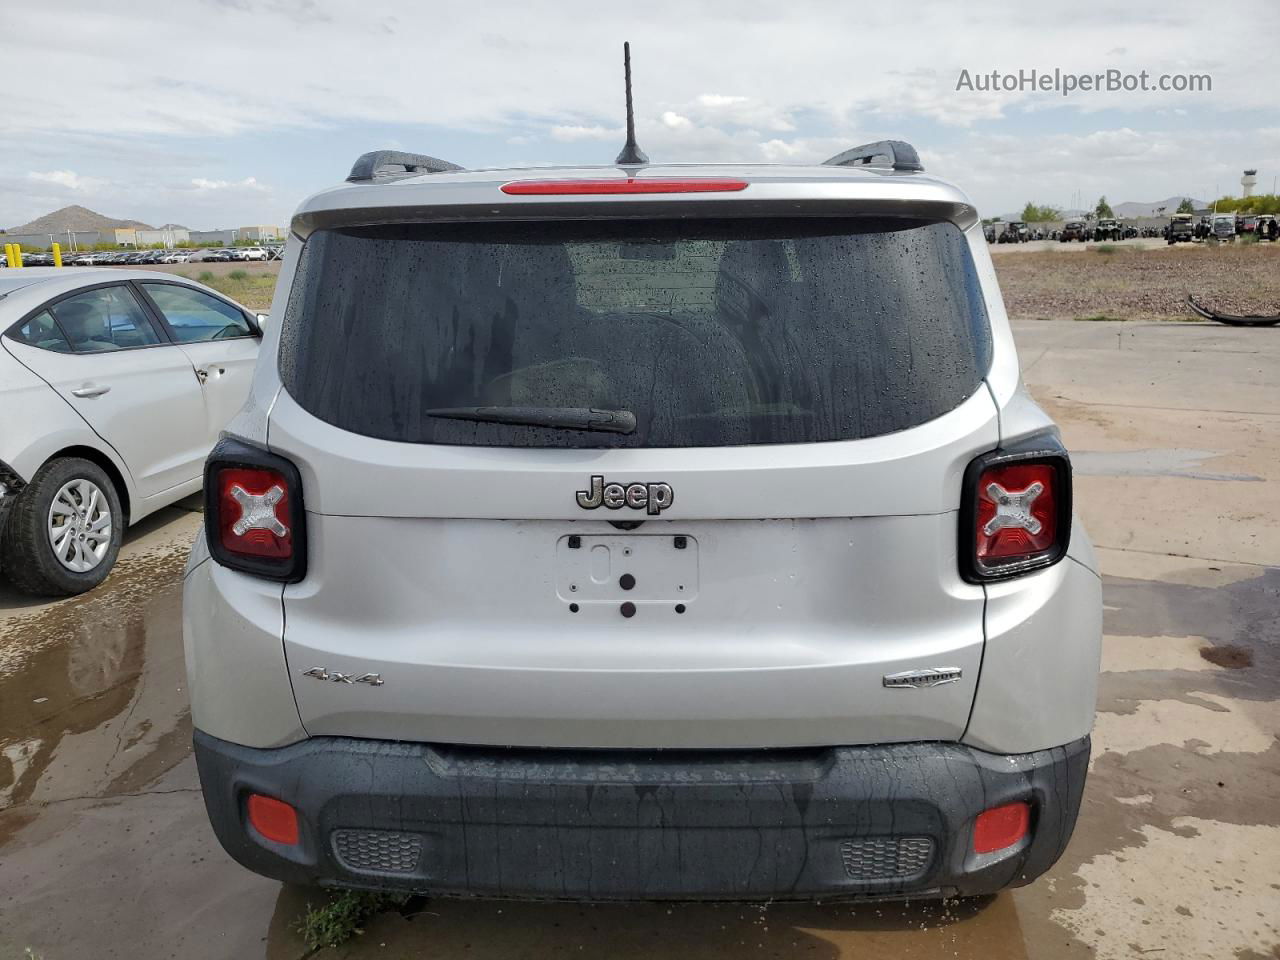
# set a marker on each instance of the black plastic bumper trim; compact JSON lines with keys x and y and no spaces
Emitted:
{"x":643,"y":825}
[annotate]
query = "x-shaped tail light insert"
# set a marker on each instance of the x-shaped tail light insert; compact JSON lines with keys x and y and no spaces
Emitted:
{"x":258,"y":511}
{"x":1013,"y":508}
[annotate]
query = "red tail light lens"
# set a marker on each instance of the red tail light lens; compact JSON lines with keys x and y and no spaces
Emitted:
{"x":254,"y":512}
{"x":1001,"y":827}
{"x":543,"y":188}
{"x":254,"y":521}
{"x":1015,"y":514}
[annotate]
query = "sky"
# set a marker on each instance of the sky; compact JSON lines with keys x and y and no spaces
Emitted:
{"x":221,"y":113}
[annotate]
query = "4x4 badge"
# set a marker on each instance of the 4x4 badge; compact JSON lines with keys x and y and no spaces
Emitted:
{"x":320,"y":673}
{"x":651,"y":497}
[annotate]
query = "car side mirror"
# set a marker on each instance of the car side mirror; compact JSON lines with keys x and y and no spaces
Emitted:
{"x":262,"y":319}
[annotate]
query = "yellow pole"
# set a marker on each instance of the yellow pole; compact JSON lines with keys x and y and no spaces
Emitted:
{"x":17,"y":255}
{"x":57,"y":254}
{"x":8,"y":255}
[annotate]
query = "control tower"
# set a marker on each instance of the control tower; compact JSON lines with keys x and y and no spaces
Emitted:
{"x":1248,"y":182}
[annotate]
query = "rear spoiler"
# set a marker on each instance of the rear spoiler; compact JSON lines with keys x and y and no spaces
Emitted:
{"x":901,"y":156}
{"x":380,"y":166}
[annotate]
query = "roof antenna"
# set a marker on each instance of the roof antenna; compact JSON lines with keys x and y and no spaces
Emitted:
{"x":631,"y":153}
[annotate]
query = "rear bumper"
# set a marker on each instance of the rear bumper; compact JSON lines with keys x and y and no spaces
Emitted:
{"x":848,"y":822}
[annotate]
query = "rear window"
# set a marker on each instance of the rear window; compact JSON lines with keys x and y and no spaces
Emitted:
{"x":708,"y":333}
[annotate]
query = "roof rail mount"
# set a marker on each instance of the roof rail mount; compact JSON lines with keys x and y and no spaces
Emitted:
{"x":394,"y":164}
{"x":900,"y":154}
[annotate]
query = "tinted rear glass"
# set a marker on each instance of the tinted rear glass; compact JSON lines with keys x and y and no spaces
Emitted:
{"x":712,"y":333}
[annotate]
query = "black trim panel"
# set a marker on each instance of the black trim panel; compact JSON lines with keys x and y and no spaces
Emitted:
{"x":641,"y":824}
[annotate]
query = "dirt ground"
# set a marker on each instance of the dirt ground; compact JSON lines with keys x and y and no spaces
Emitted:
{"x":105,"y":849}
{"x":1139,"y":280}
{"x":1135,"y":282}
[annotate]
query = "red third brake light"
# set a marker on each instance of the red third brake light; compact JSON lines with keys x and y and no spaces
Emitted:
{"x":254,"y":512}
{"x":544,"y":188}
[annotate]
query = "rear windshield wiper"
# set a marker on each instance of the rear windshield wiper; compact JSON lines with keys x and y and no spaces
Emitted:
{"x":562,"y":418}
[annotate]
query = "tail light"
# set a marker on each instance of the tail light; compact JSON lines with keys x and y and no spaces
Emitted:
{"x":1015,"y":515}
{"x":254,"y":521}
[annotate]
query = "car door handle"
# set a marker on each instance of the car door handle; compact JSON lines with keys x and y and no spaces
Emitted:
{"x":213,"y":369}
{"x":90,"y":390}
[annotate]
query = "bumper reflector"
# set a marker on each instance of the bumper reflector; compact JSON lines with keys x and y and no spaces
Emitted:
{"x":1001,"y":827}
{"x":274,"y":819}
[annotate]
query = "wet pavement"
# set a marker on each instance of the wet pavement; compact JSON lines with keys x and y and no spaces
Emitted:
{"x":105,"y":850}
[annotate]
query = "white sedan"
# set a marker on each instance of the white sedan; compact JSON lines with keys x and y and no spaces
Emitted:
{"x":114,"y":386}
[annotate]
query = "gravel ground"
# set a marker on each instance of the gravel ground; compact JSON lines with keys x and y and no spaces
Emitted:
{"x":1131,"y":284}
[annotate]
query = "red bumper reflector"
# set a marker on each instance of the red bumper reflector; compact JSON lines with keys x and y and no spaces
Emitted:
{"x":543,"y":188}
{"x":274,"y":819}
{"x":1001,"y":827}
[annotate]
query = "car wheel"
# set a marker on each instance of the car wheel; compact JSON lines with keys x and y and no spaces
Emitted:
{"x":64,"y":531}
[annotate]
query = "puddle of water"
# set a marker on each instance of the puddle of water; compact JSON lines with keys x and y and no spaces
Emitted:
{"x":985,"y":928}
{"x":91,"y":692}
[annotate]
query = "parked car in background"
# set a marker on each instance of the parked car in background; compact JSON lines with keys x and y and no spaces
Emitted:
{"x":1224,"y":227}
{"x":1180,"y":229}
{"x":1073,"y":230}
{"x":1267,"y":228}
{"x":1107,"y":229}
{"x":252,"y":253}
{"x":698,"y":541}
{"x":114,"y":385}
{"x":1014,"y":232}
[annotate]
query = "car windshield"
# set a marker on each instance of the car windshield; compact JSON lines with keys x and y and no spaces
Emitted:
{"x":708,"y":333}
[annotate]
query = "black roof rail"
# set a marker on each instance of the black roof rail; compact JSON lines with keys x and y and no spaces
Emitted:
{"x":392,"y":164}
{"x":900,"y":154}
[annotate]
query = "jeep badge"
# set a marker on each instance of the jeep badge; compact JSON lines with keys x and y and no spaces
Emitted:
{"x":651,"y":497}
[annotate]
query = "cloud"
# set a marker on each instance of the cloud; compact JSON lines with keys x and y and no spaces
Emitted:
{"x":66,"y":178}
{"x":502,"y":58}
{"x":248,"y":183}
{"x":571,"y":133}
{"x":508,"y":81}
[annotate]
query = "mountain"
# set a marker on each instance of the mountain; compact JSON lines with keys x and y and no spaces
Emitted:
{"x":77,"y":218}
{"x":1170,"y":204}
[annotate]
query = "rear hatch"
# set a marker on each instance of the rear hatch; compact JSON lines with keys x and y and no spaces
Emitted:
{"x":758,"y":528}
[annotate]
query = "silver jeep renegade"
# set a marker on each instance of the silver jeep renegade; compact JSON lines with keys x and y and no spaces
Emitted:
{"x":642,"y":532}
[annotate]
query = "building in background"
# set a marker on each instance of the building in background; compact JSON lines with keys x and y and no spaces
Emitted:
{"x":69,"y":239}
{"x":165,"y":236}
{"x":213,"y":238}
{"x":260,"y":234}
{"x":1248,"y":182}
